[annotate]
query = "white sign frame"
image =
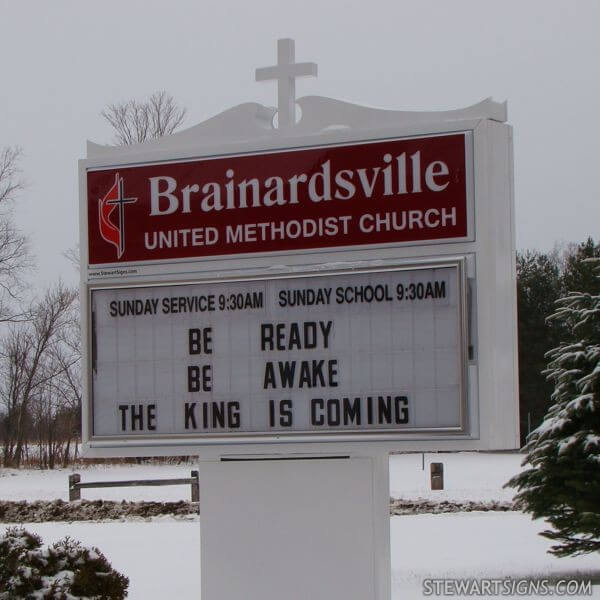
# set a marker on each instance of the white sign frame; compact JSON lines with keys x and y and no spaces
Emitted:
{"x":489,"y":257}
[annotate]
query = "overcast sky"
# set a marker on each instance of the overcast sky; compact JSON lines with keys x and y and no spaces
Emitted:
{"x":62,"y":62}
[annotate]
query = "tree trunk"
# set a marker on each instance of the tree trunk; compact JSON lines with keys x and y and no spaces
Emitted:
{"x":66,"y":453}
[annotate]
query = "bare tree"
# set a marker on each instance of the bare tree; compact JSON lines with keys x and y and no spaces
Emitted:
{"x":136,"y":122}
{"x":15,"y":258}
{"x":53,"y":399}
{"x":10,"y":173}
{"x":66,"y":387}
{"x":72,"y":255}
{"x":28,"y":365}
{"x":55,"y":408}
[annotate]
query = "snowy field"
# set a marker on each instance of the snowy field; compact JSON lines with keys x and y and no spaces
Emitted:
{"x":161,"y":557}
{"x":467,"y":476}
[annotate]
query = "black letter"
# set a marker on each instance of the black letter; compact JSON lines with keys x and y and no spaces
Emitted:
{"x":282,"y":300}
{"x":266,"y":336}
{"x":194,"y":341}
{"x":218,"y":414}
{"x":151,"y":417}
{"x":401,"y":413}
{"x":190,"y":415}
{"x":352,"y":411}
{"x":207,"y":331}
{"x":313,"y":412}
{"x":384,"y":410}
{"x":271,"y":413}
{"x":233,"y":414}
{"x":287,"y":370}
{"x":137,"y":417}
{"x":269,"y":380}
{"x":193,"y":378}
{"x":285,"y":409}
{"x":206,"y":378}
{"x":123,"y":408}
{"x":333,"y":412}
{"x":332,"y":372}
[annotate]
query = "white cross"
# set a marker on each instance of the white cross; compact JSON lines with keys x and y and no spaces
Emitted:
{"x":285,"y":72}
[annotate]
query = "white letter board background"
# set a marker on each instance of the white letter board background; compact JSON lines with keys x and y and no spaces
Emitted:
{"x":409,"y":347}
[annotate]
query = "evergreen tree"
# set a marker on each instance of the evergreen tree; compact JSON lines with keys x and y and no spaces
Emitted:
{"x":578,"y":271}
{"x":67,"y":570}
{"x":538,"y":288}
{"x":563,"y":483}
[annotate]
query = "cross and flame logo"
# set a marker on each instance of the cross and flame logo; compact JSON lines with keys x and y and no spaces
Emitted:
{"x":114,"y":202}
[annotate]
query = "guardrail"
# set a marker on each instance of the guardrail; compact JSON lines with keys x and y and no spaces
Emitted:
{"x":75,"y":484}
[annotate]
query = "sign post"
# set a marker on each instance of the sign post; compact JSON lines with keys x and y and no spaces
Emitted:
{"x":293,"y":303}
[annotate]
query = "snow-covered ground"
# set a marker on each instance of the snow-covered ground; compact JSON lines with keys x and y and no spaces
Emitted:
{"x":30,"y":484}
{"x":162,"y":557}
{"x":467,"y":476}
{"x":490,"y":545}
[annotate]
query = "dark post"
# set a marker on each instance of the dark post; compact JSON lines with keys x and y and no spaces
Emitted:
{"x":437,"y":476}
{"x":74,"y":491}
{"x":195,"y":487}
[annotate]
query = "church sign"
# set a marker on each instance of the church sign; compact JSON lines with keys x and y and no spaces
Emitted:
{"x":395,"y":191}
{"x":291,"y":300}
{"x":348,"y":277}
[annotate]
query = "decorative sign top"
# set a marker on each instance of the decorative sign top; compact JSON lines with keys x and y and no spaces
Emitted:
{"x":285,"y":72}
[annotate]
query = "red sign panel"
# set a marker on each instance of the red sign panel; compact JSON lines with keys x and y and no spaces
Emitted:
{"x":406,"y":190}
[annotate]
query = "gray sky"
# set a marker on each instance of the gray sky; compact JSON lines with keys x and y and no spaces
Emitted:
{"x":62,"y":62}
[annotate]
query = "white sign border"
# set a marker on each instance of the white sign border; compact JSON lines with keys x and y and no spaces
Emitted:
{"x":490,"y":258}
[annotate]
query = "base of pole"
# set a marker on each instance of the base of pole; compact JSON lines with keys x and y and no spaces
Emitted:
{"x":295,"y":527}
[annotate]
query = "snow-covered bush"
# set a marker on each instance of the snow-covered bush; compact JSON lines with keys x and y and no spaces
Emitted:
{"x":563,"y":483}
{"x":65,"y":571}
